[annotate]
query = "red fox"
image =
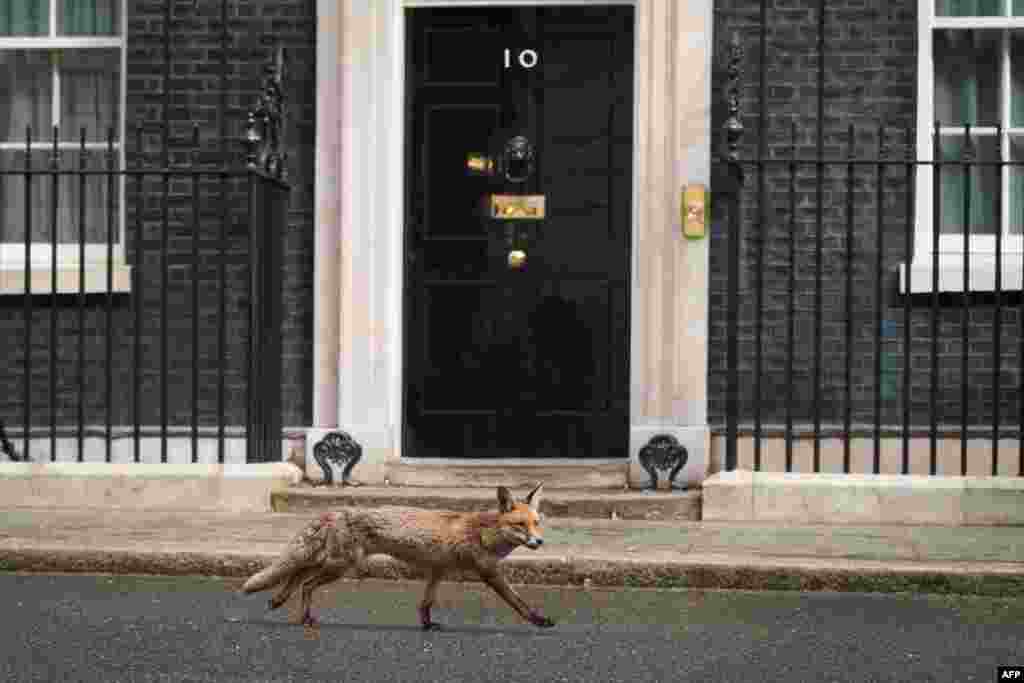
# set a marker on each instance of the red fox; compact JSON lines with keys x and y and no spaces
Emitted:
{"x":436,"y":541}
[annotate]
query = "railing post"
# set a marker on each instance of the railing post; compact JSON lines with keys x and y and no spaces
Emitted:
{"x":733,"y":129}
{"x":254,"y":417}
{"x":274,"y":295}
{"x":27,"y":341}
{"x":268,"y":207}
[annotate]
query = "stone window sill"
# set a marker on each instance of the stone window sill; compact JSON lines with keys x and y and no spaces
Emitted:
{"x":951,"y":273}
{"x":12,"y":279}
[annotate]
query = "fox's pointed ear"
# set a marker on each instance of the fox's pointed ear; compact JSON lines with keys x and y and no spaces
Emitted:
{"x":504,"y":500}
{"x":533,"y":499}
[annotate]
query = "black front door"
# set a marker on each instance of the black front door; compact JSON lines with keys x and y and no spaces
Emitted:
{"x":522,"y":356}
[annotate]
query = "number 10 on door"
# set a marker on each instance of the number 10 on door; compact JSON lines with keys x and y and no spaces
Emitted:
{"x":527,"y":58}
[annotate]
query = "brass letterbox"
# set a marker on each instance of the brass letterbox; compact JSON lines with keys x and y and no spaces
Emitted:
{"x":515,"y":206}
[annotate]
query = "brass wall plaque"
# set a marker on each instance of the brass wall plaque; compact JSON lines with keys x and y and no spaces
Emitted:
{"x":515,"y":206}
{"x":694,"y":211}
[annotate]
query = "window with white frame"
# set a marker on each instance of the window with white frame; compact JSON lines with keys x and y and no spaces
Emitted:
{"x":61,"y":68}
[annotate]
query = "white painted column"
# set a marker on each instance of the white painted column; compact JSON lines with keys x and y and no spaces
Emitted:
{"x":360,"y":115}
{"x":670,"y":273}
{"x":327,"y":239}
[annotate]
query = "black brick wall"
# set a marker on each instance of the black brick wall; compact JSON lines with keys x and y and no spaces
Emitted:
{"x":198,"y":94}
{"x":870,"y":80}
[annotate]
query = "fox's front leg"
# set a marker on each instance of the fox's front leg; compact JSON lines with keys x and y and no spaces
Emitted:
{"x":496,"y":580}
{"x":428,"y":601}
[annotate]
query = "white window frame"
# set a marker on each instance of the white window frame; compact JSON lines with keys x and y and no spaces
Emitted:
{"x":951,"y":247}
{"x":12,"y":254}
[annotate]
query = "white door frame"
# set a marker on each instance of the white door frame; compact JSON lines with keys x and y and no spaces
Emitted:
{"x":358,"y":288}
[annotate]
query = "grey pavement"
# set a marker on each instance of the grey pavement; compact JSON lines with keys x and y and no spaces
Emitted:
{"x":128,"y":629}
{"x":970,"y":560}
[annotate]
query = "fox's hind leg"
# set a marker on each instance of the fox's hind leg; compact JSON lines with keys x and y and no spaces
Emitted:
{"x":310,"y":585}
{"x":294,"y":581}
{"x":330,"y":572}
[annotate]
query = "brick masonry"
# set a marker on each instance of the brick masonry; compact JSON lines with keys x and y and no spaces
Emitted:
{"x":870,"y":80}
{"x":198,"y":92}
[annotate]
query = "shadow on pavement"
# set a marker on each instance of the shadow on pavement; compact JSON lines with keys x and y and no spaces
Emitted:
{"x":523,"y":632}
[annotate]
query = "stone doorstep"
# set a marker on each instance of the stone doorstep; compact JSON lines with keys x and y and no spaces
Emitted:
{"x":561,"y":503}
{"x":446,"y":473}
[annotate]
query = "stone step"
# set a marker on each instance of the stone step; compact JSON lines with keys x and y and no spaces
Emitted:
{"x":514,"y":475}
{"x":562,"y":503}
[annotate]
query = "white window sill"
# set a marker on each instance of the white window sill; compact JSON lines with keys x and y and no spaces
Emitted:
{"x":951,"y":273}
{"x":12,"y":279}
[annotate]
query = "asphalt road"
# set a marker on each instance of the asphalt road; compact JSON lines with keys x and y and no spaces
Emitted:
{"x":126,"y":628}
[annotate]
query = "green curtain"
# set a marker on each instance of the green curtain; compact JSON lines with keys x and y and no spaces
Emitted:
{"x":966,"y":100}
{"x":24,"y":17}
{"x":971,"y":8}
{"x":960,"y":64}
{"x":983,"y":219}
{"x":89,"y":17}
{"x":965,"y":93}
{"x":78,"y":17}
{"x":1017,"y":94}
{"x":1016,"y":199}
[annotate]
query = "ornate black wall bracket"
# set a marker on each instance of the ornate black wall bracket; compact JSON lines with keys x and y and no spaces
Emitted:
{"x":663,"y":452}
{"x":337,"y":448}
{"x":264,"y":130}
{"x":7,"y":448}
{"x":727,"y":177}
{"x":733,"y":126}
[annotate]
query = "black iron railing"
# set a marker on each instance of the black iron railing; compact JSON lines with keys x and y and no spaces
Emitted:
{"x":188,"y":347}
{"x":849,"y":350}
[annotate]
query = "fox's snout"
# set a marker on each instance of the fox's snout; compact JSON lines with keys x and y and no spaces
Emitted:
{"x":534,"y":542}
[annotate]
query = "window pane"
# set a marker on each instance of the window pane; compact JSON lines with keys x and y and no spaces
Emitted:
{"x":25,"y":93}
{"x":966,"y":77}
{"x":969,"y":8}
{"x":89,"y":93}
{"x":88,"y":17}
{"x":24,"y":17}
{"x":1016,"y":174}
{"x":1018,"y":7}
{"x":69,"y":199}
{"x":1017,"y":79}
{"x":984,"y":186}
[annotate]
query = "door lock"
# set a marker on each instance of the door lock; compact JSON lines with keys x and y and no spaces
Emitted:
{"x":516,"y":259}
